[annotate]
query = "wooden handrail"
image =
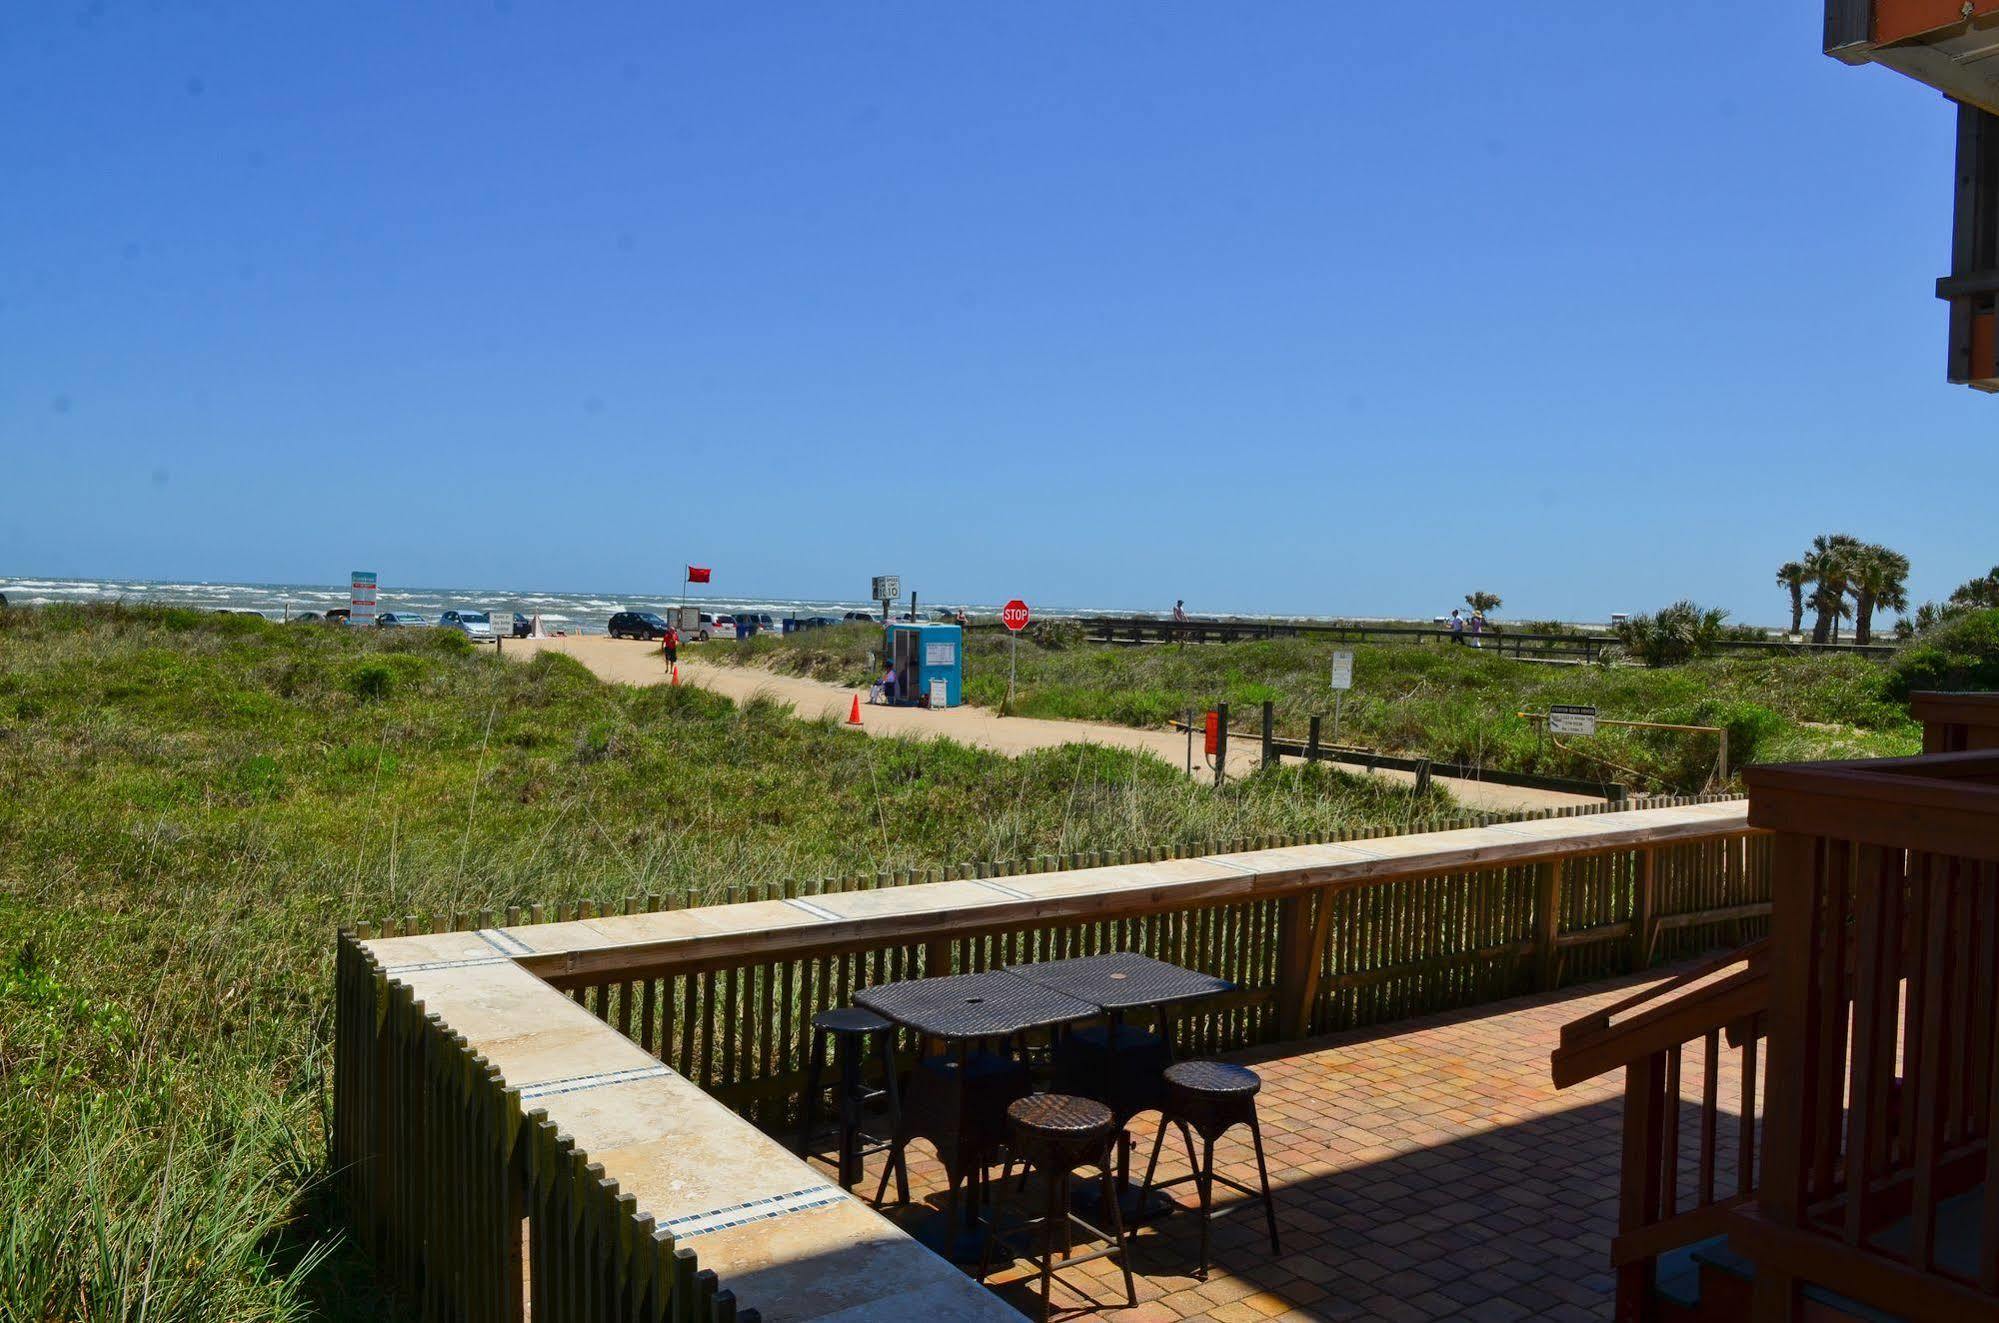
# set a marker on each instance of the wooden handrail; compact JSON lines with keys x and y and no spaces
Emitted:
{"x":1724,"y":1004}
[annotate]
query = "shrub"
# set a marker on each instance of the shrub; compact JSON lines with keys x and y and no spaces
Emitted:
{"x":1056,"y":635}
{"x":1679,"y":633}
{"x":1959,"y":652}
{"x":371,"y":681}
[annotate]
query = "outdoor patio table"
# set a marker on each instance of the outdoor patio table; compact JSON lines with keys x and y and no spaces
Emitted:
{"x":958,"y":1101}
{"x":1116,"y":982}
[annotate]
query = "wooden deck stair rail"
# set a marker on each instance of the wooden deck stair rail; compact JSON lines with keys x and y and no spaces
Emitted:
{"x":1883,"y":1037}
{"x":1718,"y":1001}
{"x":1956,"y":723}
{"x":574,"y":1079}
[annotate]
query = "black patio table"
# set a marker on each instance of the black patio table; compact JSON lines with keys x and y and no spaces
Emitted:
{"x":958,"y":1102}
{"x":1116,"y":982}
{"x":1119,"y":981}
{"x":961,"y":1008}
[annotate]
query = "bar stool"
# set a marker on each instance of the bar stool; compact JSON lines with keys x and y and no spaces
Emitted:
{"x":850,"y":1028}
{"x":1056,"y":1134}
{"x":1211,"y":1096}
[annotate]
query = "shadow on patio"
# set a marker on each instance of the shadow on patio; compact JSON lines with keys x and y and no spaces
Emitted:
{"x":1428,"y":1170}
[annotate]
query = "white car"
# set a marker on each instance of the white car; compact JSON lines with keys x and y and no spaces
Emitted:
{"x":475,"y":625}
{"x":400,"y":620}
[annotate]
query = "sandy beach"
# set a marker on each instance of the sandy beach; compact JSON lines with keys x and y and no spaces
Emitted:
{"x":630,"y":662}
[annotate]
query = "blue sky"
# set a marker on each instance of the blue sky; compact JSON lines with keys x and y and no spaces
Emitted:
{"x":1272,"y":307}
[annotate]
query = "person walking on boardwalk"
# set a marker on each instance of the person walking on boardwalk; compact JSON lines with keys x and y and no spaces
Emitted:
{"x":1179,"y":618}
{"x":1477,"y":629}
{"x":1457,"y":627}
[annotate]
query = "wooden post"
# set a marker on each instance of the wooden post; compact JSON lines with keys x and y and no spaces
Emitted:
{"x":1793,"y":1060}
{"x":1269,"y":745}
{"x":1643,"y":908}
{"x":1638,"y":1206}
{"x":1312,"y":743}
{"x":1221,"y":742}
{"x":1295,"y":955}
{"x":1547,"y":923}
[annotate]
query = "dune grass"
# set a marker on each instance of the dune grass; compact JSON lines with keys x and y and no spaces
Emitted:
{"x":190,"y":803}
{"x":1456,"y":704}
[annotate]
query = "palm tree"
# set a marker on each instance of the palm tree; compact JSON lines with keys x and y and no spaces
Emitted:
{"x":1793,"y":576}
{"x":1878,"y":577}
{"x":1482,"y":601}
{"x":1827,"y":564}
{"x":1980,"y":592}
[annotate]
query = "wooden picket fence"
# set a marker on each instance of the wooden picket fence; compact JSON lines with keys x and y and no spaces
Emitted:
{"x":460,"y":1195}
{"x":441,"y":1167}
{"x":1391,"y":951}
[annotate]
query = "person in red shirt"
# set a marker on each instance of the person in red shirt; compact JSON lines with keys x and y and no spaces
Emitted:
{"x":669,"y":646}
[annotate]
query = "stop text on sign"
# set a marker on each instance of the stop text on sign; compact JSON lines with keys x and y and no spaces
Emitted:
{"x":1014,"y":615}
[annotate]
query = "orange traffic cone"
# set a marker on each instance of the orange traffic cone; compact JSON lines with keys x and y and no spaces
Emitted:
{"x":676,"y":672}
{"x":854,"y":717}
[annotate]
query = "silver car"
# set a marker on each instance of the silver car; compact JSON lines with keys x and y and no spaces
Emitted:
{"x":475,"y":625}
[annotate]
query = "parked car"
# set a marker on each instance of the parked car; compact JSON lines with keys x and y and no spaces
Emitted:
{"x":637,"y":625}
{"x":797,"y":623}
{"x":474,"y":625}
{"x":303,"y":618}
{"x":523,"y":626}
{"x":857,"y":615}
{"x":750,"y":623}
{"x":400,"y":620}
{"x":339,"y":615}
{"x":719,"y":626}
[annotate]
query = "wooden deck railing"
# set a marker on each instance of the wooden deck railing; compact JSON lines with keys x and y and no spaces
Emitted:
{"x":1329,"y":959}
{"x":1884,"y":976}
{"x":1663,"y":1204}
{"x":1878,"y":994}
{"x":448,"y":1167}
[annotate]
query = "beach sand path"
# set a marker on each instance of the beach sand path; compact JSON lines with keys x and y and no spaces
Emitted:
{"x":630,"y":662}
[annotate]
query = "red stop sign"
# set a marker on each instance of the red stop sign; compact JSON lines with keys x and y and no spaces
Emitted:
{"x":1014,"y":615}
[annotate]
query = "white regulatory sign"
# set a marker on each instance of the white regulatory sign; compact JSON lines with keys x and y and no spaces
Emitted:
{"x":1343,"y":670}
{"x":1564,"y":720}
{"x":361,"y":602}
{"x":887,"y":587}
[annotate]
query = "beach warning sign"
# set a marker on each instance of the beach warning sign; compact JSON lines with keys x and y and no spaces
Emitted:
{"x":1014,"y":615}
{"x":361,"y":598}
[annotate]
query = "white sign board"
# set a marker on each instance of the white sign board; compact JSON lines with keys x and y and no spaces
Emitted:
{"x":1343,"y":670}
{"x":361,"y":601}
{"x":940,"y":654}
{"x":887,"y":587}
{"x":940,"y":693}
{"x":1571,"y":720}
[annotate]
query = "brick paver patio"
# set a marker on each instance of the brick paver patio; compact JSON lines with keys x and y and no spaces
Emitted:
{"x":1428,"y":1170}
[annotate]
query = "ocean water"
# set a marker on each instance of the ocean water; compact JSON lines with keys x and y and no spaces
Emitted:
{"x":576,"y":613}
{"x":573,"y":613}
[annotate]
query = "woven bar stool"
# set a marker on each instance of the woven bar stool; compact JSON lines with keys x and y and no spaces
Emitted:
{"x":850,"y":1028}
{"x":1210,"y":1097}
{"x":1056,"y":1134}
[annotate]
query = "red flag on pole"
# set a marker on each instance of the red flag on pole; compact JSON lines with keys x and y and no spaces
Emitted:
{"x":697,"y":574}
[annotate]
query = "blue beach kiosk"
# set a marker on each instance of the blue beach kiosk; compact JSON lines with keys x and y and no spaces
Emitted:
{"x":929,"y":662}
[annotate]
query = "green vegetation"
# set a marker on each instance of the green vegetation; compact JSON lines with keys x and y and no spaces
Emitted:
{"x":190,"y":802}
{"x":1839,"y":566}
{"x":1448,"y":703}
{"x":1979,"y":594}
{"x":1959,"y":651}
